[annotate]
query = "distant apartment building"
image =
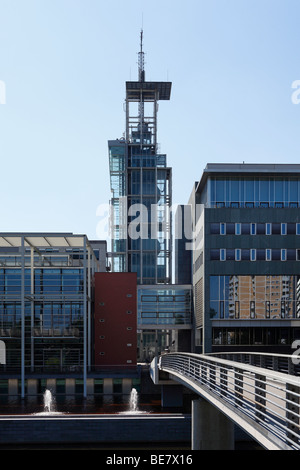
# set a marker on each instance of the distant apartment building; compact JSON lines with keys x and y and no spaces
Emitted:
{"x":246,"y":257}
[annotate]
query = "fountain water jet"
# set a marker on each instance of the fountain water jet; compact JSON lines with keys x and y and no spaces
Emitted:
{"x":133,"y":404}
{"x":49,"y":405}
{"x":133,"y":400}
{"x":48,"y":401}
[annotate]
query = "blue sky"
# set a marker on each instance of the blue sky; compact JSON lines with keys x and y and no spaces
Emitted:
{"x":65,"y":62}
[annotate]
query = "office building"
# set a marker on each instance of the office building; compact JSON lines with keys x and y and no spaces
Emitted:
{"x":46,"y":307}
{"x":141,"y":185}
{"x":141,"y":221}
{"x":245,"y":261}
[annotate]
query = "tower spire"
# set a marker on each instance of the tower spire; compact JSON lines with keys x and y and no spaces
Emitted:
{"x":141,"y":60}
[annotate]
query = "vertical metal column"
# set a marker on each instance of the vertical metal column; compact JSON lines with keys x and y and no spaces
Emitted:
{"x":260,"y":396}
{"x":84,"y":318}
{"x":292,"y":412}
{"x":238,"y":386}
{"x":32,"y":306}
{"x":22,"y":318}
{"x":89,"y":308}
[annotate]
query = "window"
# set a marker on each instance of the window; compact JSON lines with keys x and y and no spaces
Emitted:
{"x":230,"y":229}
{"x":283,"y":229}
{"x":245,"y":229}
{"x":252,"y":309}
{"x":252,"y":254}
{"x":297,"y":229}
{"x":245,"y":255}
{"x":215,"y":229}
{"x":238,"y":229}
{"x":215,"y":255}
{"x":276,"y":254}
{"x":253,"y":229}
{"x":238,"y":254}
{"x":268,"y":254}
{"x":230,"y":255}
{"x":261,"y":229}
{"x":268,"y":229}
{"x":260,"y":255}
{"x":237,"y":309}
{"x":267,"y":313}
{"x":283,"y":254}
{"x":222,"y":254}
{"x":222,"y":229}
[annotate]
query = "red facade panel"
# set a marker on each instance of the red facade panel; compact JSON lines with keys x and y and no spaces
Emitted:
{"x":115,"y":317}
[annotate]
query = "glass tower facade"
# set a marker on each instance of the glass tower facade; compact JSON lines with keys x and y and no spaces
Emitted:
{"x":141,"y":184}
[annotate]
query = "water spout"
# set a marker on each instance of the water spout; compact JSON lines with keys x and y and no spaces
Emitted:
{"x":133,"y":400}
{"x":48,"y":401}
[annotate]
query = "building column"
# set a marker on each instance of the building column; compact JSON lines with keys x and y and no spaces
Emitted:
{"x":90,"y":386}
{"x":32,"y":387}
{"x":126,"y":386}
{"x":51,"y":385}
{"x":70,"y":386}
{"x":211,"y":429}
{"x":13,"y":387}
{"x":108,"y":385}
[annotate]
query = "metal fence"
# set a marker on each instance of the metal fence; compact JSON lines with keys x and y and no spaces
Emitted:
{"x":268,"y":400}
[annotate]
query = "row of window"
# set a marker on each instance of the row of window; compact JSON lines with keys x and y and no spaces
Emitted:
{"x":268,"y":228}
{"x":249,"y":205}
{"x":253,"y":254}
{"x":267,"y":309}
{"x":255,"y":336}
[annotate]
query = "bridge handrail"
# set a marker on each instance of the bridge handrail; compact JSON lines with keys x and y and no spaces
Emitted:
{"x":270,"y":399}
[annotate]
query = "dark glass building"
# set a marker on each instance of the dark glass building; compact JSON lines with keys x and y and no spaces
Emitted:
{"x":141,"y":221}
{"x":246,"y":271}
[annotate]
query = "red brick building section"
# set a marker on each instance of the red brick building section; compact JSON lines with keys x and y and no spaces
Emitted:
{"x":115,"y":319}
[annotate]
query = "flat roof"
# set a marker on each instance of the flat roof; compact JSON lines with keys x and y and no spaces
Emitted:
{"x":133,"y":90}
{"x":253,"y":167}
{"x":248,"y":169}
{"x":42,"y":240}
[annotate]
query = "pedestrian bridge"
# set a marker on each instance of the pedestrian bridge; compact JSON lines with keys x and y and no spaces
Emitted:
{"x":260,"y":393}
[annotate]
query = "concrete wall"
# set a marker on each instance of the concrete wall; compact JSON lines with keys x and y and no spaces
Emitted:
{"x":112,"y":429}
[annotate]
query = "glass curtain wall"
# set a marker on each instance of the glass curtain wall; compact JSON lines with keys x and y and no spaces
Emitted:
{"x":54,"y":312}
{"x":254,"y":192}
{"x":254,"y":297}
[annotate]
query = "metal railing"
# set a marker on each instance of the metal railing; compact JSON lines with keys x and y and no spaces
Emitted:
{"x":265,"y":402}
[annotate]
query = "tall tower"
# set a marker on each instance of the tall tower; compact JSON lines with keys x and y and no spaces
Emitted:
{"x":141,"y":185}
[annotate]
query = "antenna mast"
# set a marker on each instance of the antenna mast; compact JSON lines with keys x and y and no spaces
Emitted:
{"x":141,"y":61}
{"x":141,"y":65}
